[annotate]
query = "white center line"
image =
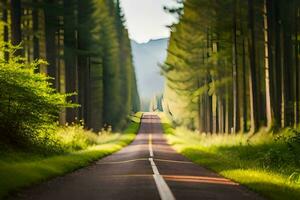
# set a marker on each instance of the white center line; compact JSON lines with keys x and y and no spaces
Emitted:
{"x":163,"y":189}
{"x":154,"y":168}
{"x":150,"y":146}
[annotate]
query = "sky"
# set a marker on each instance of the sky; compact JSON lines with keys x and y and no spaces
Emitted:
{"x":146,"y":19}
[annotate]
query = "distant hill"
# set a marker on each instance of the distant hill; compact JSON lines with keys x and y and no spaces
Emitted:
{"x":146,"y":58}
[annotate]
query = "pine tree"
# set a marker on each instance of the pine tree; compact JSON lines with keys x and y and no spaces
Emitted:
{"x":88,"y":52}
{"x":212,"y":51}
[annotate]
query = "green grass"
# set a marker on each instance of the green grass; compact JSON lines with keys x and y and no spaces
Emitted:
{"x":19,"y":169}
{"x":265,"y":163}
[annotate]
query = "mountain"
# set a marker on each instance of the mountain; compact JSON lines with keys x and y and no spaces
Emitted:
{"x":146,"y":58}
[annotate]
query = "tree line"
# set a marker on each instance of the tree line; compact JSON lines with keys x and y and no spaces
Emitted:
{"x":87,"y":48}
{"x":233,"y":65}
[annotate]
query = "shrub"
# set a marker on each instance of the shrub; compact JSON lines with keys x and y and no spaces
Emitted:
{"x":75,"y":137}
{"x":293,"y":142}
{"x":29,"y":106}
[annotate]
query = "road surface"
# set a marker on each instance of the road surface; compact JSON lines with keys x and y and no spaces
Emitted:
{"x":146,"y":169}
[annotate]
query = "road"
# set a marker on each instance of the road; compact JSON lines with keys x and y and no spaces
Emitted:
{"x":146,"y":169}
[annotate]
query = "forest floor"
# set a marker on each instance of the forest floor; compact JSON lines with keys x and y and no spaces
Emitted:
{"x":265,"y":163}
{"x":19,"y":169}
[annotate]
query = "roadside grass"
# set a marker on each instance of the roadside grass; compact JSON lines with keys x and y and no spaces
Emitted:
{"x":266,"y":163}
{"x":20,"y":169}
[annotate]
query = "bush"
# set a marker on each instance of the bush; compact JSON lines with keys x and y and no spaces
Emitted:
{"x":293,"y":142}
{"x":75,"y":137}
{"x":29,"y":106}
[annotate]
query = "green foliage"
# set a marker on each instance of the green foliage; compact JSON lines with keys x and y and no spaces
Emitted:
{"x":92,"y":58}
{"x":295,"y":178}
{"x":137,"y":117}
{"x":74,"y":138}
{"x":29,"y":106}
{"x":188,"y":67}
{"x":118,"y":94}
{"x":293,"y":142}
{"x":212,"y":55}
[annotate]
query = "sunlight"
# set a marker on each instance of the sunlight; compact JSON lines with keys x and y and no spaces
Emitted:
{"x":199,"y":179}
{"x":150,"y":99}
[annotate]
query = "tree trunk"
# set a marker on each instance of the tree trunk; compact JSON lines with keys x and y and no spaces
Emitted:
{"x":16,"y":33}
{"x":289,"y":64}
{"x":208,"y":107}
{"x":243,"y":112}
{"x":82,"y":59}
{"x":282,"y":83}
{"x":87,"y":96}
{"x":5,"y":28}
{"x":277,"y":64}
{"x":70,"y":56}
{"x":228,"y":110}
{"x":35,"y":26}
{"x":269,"y":113}
{"x":200,"y":125}
{"x":297,"y":83}
{"x":209,"y":114}
{"x":221,"y":114}
{"x":245,"y":128}
{"x":252,"y":80}
{"x":51,"y":23}
{"x":214,"y":114}
{"x":236,"y":117}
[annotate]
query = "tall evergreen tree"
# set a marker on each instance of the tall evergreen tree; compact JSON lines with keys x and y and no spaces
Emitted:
{"x":88,"y":52}
{"x":212,"y":51}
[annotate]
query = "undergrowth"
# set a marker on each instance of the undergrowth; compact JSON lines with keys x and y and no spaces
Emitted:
{"x":265,"y":162}
{"x":19,"y":169}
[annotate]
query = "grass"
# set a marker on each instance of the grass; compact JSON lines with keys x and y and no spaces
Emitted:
{"x":265,"y":163}
{"x":19,"y":169}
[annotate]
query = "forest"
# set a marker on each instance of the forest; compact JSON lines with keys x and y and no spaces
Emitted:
{"x":232,"y":90}
{"x":226,"y":126}
{"x":233,"y":66}
{"x":65,"y":62}
{"x":68,"y":87}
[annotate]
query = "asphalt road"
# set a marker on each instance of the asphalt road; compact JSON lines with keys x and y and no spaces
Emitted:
{"x":146,"y":169}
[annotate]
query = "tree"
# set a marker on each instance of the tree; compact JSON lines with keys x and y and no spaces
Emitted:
{"x":88,"y":52}
{"x":211,"y":51}
{"x":16,"y":34}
